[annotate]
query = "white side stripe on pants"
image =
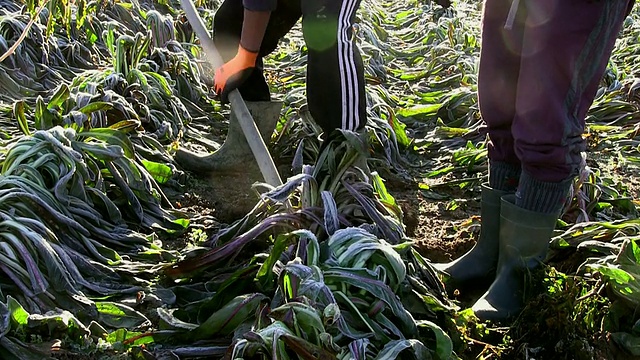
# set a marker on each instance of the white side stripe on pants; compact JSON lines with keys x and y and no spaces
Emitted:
{"x":347,"y":65}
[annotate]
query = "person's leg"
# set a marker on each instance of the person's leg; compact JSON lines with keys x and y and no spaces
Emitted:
{"x":567,"y":44}
{"x":497,"y":84}
{"x":235,"y":155}
{"x":499,"y":67}
{"x":335,"y":72}
{"x":227,"y":28}
{"x":562,"y":66}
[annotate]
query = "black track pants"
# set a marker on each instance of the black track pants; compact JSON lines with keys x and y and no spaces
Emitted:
{"x":335,"y":73}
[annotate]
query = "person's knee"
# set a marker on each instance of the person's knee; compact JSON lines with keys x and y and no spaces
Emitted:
{"x":320,"y":34}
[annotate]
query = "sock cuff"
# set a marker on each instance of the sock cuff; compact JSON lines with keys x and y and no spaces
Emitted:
{"x":541,"y":196}
{"x":504,"y":176}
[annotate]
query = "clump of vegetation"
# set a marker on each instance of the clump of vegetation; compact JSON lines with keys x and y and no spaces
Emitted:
{"x":96,"y":96}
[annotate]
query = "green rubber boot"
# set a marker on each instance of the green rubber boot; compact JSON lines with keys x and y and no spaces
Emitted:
{"x":235,"y":155}
{"x":524,"y":241}
{"x":477,"y":267}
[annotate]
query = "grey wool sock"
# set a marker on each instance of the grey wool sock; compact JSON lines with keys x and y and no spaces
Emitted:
{"x":541,"y":196}
{"x":504,"y":176}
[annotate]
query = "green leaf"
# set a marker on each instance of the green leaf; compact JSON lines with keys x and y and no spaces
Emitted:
{"x":43,"y":117}
{"x":623,"y":273}
{"x":18,"y":313}
{"x":358,"y":255}
{"x":111,"y":137}
{"x":162,"y":81}
{"x":381,"y":190}
{"x":182,"y":222}
{"x":160,"y":172}
{"x":441,"y":171}
{"x":398,"y":128}
{"x":61,"y":95}
{"x":119,"y":316}
{"x":306,"y":318}
{"x":229,"y":317}
{"x":132,"y":338}
{"x":420,"y":110}
{"x":444,"y":345}
{"x":271,"y":336}
{"x":21,"y":119}
{"x":265,"y":274}
{"x":233,"y":286}
{"x":95,"y":106}
{"x":126,"y":125}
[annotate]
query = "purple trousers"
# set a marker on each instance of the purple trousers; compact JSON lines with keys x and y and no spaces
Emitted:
{"x":537,"y":81}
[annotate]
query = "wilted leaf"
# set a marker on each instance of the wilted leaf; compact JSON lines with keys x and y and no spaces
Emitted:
{"x":62,"y":321}
{"x":12,"y":349}
{"x":168,"y":317}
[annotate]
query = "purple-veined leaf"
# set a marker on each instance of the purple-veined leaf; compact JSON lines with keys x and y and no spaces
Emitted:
{"x":282,"y":192}
{"x":392,"y":349}
{"x":379,"y":290}
{"x":331,"y":221}
{"x":358,"y":348}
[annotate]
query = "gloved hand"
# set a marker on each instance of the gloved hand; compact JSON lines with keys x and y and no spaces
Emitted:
{"x":233,"y":73}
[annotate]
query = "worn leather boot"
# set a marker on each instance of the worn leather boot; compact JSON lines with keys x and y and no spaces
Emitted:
{"x":476,"y":268}
{"x":235,"y":155}
{"x":524,"y":241}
